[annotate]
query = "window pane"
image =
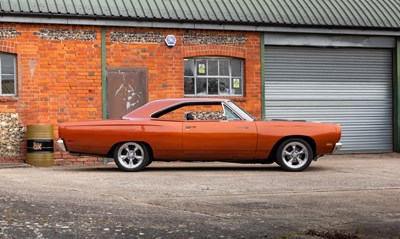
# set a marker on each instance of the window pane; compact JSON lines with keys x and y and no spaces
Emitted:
{"x":7,"y":84}
{"x":7,"y":63}
{"x":224,"y":68}
{"x":236,"y":67}
{"x":213,"y":76}
{"x":213,"y":86}
{"x":189,"y":86}
{"x":212,"y":67}
{"x":202,"y":67}
{"x":237,"y":86}
{"x":189,"y":67}
{"x":230,"y":114}
{"x":201,"y":86}
{"x":224,"y":86}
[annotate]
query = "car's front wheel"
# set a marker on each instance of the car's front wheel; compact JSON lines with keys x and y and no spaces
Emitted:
{"x":294,"y":154}
{"x":131,"y":156}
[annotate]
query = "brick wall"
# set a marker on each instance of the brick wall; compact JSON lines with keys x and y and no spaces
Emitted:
{"x":59,"y":69}
{"x":165,"y":79}
{"x":58,"y":79}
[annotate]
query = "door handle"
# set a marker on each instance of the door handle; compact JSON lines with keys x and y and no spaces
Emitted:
{"x":190,"y":126}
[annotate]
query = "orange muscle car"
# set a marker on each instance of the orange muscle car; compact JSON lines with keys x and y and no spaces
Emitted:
{"x":203,"y":130}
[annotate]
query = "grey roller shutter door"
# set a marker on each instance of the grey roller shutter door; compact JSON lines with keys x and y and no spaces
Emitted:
{"x":350,"y":86}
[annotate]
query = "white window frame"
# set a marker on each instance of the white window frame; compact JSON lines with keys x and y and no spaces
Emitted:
{"x":14,"y":75}
{"x":207,"y":77}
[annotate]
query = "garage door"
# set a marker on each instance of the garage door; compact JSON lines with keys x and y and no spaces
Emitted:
{"x":350,"y":86}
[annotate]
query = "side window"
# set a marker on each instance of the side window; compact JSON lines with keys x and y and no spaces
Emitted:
{"x":208,"y":112}
{"x":213,"y":76}
{"x":7,"y":74}
{"x":230,"y":114}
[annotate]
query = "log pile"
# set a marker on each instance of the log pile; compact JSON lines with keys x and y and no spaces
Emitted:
{"x":12,"y":133}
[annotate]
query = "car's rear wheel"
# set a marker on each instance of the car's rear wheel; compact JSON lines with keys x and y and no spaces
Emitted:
{"x":131,"y":156}
{"x":294,"y":154}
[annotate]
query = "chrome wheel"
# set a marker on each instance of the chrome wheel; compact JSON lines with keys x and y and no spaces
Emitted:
{"x":294,"y":155}
{"x":131,"y":156}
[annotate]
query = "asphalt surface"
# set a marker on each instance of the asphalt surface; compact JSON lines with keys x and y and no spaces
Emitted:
{"x":355,"y":196}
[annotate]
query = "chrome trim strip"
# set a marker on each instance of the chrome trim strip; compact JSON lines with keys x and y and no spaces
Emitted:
{"x":61,"y":144}
{"x":338,"y":146}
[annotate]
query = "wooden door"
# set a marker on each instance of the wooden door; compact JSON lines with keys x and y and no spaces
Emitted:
{"x":126,"y":90}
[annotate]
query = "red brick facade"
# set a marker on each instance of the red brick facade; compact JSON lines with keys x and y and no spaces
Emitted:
{"x":61,"y":80}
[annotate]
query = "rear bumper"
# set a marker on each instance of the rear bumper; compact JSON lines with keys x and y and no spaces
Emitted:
{"x":61,"y":144}
{"x":338,"y":146}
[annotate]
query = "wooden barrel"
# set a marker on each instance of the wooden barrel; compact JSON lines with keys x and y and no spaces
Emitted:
{"x":40,"y":145}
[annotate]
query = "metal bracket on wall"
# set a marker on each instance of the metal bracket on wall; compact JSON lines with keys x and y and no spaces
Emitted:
{"x":104,"y":72}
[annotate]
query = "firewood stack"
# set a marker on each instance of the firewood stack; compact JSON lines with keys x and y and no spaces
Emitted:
{"x":12,"y":133}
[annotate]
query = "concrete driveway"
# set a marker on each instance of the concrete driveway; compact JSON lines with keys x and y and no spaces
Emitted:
{"x":337,"y":197}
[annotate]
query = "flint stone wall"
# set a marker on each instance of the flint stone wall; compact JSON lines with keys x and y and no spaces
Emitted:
{"x":12,"y":133}
{"x":8,"y":32}
{"x":65,"y":34}
{"x":217,"y":39}
{"x":137,"y":37}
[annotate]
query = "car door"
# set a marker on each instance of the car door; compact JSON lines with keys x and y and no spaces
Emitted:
{"x":227,"y":139}
{"x":165,"y":138}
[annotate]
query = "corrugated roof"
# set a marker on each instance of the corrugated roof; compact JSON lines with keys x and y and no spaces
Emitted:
{"x":327,"y":13}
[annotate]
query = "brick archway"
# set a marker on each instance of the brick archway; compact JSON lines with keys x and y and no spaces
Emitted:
{"x":8,"y":47}
{"x":228,"y":51}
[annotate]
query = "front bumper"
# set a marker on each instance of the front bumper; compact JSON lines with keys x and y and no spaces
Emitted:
{"x":61,"y":144}
{"x":338,"y":146}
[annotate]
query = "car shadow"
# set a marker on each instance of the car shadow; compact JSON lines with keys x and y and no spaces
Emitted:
{"x":212,"y":168}
{"x":192,"y":168}
{"x":269,"y":168}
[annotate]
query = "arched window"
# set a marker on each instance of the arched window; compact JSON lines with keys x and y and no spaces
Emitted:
{"x":213,"y":76}
{"x":7,"y":74}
